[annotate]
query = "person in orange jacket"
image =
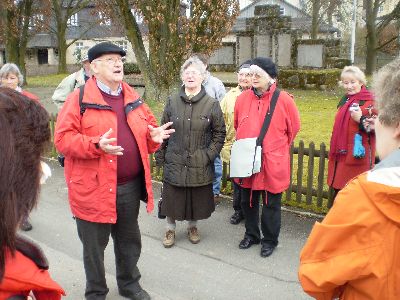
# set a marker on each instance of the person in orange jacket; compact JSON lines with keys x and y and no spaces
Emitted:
{"x":25,"y":133}
{"x":106,"y":141}
{"x":354,"y":252}
{"x":11,"y":77}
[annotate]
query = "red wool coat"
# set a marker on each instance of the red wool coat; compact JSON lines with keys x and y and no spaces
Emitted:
{"x":90,"y":173}
{"x":249,"y":116}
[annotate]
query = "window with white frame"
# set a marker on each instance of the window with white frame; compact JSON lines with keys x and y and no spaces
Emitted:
{"x":79,"y":46}
{"x":380,"y":9}
{"x":138,"y":16}
{"x":282,"y":11}
{"x":73,"y":20}
{"x":35,"y":20}
{"x":122,"y":44}
{"x":104,"y":20}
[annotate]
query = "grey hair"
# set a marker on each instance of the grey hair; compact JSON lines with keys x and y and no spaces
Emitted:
{"x":386,"y":86}
{"x":197,"y":64}
{"x":356,"y":72}
{"x":11,"y":68}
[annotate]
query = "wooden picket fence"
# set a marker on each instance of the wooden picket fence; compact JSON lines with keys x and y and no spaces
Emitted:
{"x":308,"y":166}
{"x":307,"y":189}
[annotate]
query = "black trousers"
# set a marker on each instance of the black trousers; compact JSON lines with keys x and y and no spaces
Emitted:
{"x":237,"y":206}
{"x":127,"y":245}
{"x":270,"y":217}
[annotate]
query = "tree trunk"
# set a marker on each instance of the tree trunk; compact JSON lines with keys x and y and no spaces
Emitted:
{"x":316,"y":7}
{"x":11,"y":43}
{"x":62,"y":54}
{"x":371,"y":10}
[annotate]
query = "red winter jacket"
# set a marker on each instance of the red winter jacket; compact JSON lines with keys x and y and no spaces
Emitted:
{"x":250,"y":111}
{"x":30,"y":96}
{"x":22,"y":276}
{"x":90,"y":173}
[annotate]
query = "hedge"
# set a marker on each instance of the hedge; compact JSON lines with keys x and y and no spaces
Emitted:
{"x":309,"y":79}
{"x":131,"y":68}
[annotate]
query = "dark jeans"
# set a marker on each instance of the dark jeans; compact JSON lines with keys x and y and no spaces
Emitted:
{"x":270,"y":217}
{"x":236,"y":197}
{"x":127,"y":245}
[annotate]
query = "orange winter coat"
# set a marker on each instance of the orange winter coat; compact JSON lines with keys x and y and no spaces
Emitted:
{"x":90,"y":173}
{"x":355,"y":252}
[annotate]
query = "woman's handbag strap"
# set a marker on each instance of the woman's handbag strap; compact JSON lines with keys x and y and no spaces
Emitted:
{"x":268,"y":117}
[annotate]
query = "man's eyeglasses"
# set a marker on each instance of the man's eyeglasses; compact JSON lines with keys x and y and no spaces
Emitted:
{"x":112,"y":61}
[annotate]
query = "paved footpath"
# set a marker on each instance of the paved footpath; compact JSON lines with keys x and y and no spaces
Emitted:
{"x":213,"y":269}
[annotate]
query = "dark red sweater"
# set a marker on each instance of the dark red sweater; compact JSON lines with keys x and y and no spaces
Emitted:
{"x":130,"y":164}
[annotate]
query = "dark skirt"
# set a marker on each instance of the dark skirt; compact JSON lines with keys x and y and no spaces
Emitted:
{"x":187,"y":203}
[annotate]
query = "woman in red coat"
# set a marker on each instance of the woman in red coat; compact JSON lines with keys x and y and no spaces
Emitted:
{"x":11,"y":77}
{"x":352,"y":146}
{"x":250,"y":109}
{"x":25,"y":134}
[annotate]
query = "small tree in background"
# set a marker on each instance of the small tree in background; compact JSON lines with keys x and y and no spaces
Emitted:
{"x":172,"y":35}
{"x":19,"y":21}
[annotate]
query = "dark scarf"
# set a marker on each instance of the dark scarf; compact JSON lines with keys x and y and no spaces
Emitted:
{"x":338,"y":145}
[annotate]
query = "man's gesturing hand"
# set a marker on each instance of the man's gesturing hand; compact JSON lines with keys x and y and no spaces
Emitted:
{"x":105,"y":144}
{"x":158,"y":134}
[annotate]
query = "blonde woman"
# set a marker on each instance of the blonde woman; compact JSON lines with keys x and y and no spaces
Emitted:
{"x":354,"y":252}
{"x":352,"y":146}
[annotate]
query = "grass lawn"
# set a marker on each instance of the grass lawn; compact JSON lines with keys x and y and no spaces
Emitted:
{"x":45,"y":81}
{"x":317,"y":111}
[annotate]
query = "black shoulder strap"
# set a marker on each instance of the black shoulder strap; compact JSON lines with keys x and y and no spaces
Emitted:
{"x":82,"y":105}
{"x":268,"y":117}
{"x":133,"y":105}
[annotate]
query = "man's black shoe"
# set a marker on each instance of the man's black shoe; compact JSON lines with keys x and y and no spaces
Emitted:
{"x":266,"y":250}
{"x":141,"y":295}
{"x":237,"y":217}
{"x":246,"y":243}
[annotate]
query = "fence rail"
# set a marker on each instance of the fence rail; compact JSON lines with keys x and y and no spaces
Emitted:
{"x":308,"y":166}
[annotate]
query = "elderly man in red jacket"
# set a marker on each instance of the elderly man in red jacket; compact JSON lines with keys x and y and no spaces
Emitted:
{"x":250,"y":110}
{"x":106,"y":138}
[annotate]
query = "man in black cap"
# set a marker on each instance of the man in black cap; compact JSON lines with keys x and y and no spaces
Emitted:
{"x":274,"y":175}
{"x":106,"y":133}
{"x":228,"y":107}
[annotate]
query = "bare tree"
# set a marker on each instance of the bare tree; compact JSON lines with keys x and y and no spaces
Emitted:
{"x":171,"y":34}
{"x":20,"y":21}
{"x":375,"y":29}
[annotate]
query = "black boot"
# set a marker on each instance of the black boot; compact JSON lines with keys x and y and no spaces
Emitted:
{"x":237,"y":217}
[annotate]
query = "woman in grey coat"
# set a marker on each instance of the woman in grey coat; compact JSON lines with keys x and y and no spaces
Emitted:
{"x":187,"y":157}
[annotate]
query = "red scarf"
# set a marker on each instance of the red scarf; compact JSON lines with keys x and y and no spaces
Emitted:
{"x":338,"y":145}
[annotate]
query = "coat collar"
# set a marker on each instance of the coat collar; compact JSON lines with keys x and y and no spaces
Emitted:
{"x":93,"y":94}
{"x":194,"y":99}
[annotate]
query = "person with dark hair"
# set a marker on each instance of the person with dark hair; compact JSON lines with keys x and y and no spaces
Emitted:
{"x":11,"y":77}
{"x":25,"y":133}
{"x":251,"y":109}
{"x":228,"y":110}
{"x":106,"y":140}
{"x":354,"y":252}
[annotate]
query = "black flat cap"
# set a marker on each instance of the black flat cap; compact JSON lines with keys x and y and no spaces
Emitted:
{"x":267,"y":65}
{"x":104,"y":48}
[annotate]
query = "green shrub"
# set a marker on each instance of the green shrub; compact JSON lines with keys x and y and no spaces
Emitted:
{"x":309,"y":78}
{"x":131,"y":68}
